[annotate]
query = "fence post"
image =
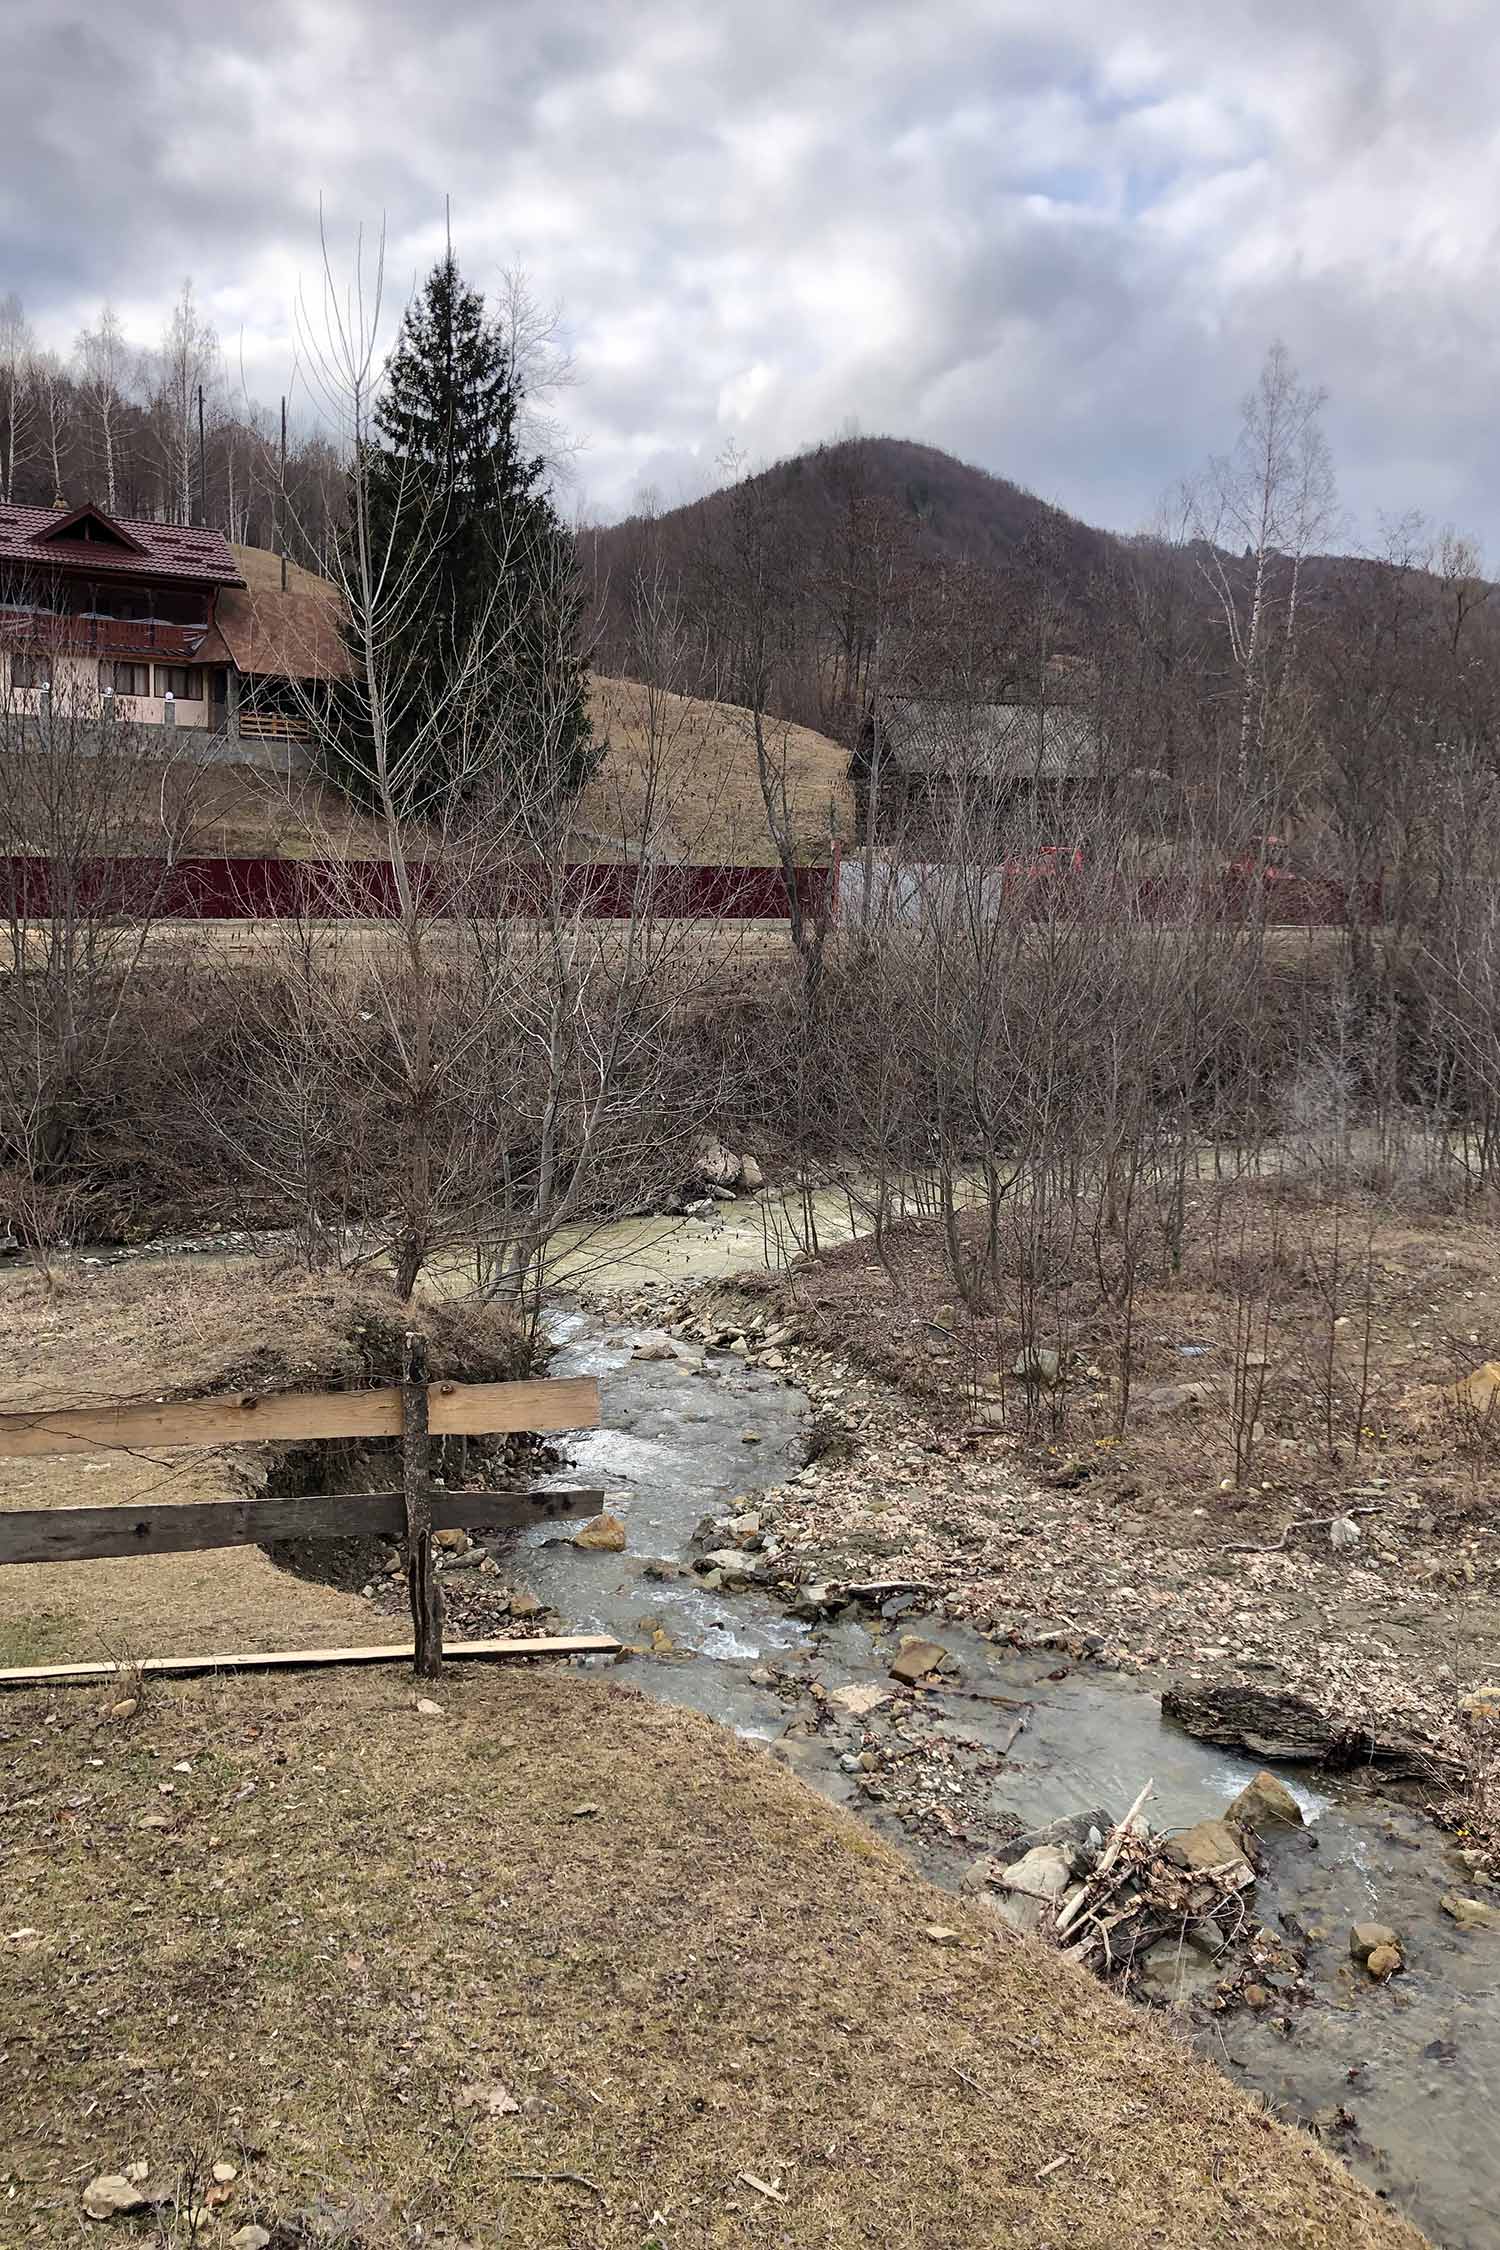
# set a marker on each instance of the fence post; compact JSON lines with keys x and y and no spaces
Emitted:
{"x":416,"y":1484}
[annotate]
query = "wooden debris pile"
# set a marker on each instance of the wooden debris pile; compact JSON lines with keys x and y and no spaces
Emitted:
{"x":1139,"y":1893}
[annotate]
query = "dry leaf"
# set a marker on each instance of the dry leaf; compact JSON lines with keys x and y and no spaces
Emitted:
{"x":493,"y":2100}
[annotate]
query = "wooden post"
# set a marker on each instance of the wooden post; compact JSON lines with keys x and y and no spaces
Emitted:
{"x":416,"y":1484}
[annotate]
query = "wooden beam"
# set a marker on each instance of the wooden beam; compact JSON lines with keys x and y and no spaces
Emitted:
{"x":48,"y":1535}
{"x":453,"y":1409}
{"x":299,"y":1659}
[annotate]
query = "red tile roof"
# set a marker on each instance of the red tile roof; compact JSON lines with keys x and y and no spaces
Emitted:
{"x":39,"y":539}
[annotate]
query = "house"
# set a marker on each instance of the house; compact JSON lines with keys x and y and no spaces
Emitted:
{"x":158,"y":624}
{"x":922,"y":761}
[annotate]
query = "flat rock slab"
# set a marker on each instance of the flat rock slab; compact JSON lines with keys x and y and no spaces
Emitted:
{"x":1283,"y":1727}
{"x":916,"y":1659}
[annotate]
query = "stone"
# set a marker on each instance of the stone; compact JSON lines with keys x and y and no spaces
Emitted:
{"x":1343,"y":1534}
{"x":1209,"y":1843}
{"x":1176,"y":1975}
{"x":451,"y":1542}
{"x":1039,"y":1365}
{"x":527,"y":1605}
{"x":916,"y":1658}
{"x":752,"y":1178}
{"x":1383,"y":1961}
{"x":1043,"y":1872}
{"x":1478,"y":1391}
{"x":1470,"y":1913}
{"x":224,"y":2173}
{"x":746,"y":1526}
{"x":1482,"y":1703}
{"x":604,"y":1535}
{"x":719,"y":1166}
{"x":1265,"y":1803}
{"x":1366,"y":1938}
{"x":938,"y":1933}
{"x":859,"y":1699}
{"x":1030,"y":1889}
{"x":1256,"y":1996}
{"x":427,"y":1709}
{"x":731,"y":1563}
{"x":249,"y":2238}
{"x":655,"y":1347}
{"x":110,"y":2193}
{"x":1081,"y":1836}
{"x":126,"y":1708}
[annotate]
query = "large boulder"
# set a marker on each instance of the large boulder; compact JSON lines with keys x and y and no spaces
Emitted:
{"x":1031,"y":1887}
{"x":718,"y":1166}
{"x":1265,"y":1804}
{"x":1208,"y":1843}
{"x":602,"y":1535}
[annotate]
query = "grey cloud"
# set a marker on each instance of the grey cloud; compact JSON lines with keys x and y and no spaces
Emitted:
{"x":1055,"y":237}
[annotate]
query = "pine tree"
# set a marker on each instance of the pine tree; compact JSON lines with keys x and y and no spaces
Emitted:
{"x":450,"y":491}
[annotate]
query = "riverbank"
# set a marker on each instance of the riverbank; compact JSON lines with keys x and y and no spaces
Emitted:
{"x":905,"y":1484}
{"x":552,"y":1962}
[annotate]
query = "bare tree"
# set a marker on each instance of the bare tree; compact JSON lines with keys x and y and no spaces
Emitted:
{"x":1273,"y":498}
{"x":104,"y":363}
{"x":92,"y":821}
{"x":17,"y":396}
{"x":187,"y":362}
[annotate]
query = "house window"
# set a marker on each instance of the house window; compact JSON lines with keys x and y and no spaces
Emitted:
{"x":126,"y":679}
{"x":180,"y":680}
{"x":30,"y":671}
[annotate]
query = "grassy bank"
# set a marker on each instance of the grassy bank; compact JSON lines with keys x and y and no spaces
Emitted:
{"x":286,"y":1924}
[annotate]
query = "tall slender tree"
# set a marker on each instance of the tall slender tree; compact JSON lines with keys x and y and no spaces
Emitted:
{"x":496,"y":601}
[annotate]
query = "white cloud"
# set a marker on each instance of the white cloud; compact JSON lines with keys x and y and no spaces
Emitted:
{"x":1053,"y":236}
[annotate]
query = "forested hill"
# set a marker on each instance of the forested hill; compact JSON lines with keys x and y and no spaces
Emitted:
{"x":956,"y":512}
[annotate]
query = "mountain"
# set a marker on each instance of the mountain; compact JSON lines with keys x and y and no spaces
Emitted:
{"x":953,"y":512}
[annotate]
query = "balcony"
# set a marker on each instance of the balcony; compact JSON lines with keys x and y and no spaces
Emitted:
{"x":100,"y":636}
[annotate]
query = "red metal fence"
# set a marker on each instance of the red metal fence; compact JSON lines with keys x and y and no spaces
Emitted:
{"x":220,"y":890}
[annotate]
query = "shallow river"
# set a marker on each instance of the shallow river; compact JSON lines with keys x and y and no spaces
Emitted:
{"x":1415,"y":2065}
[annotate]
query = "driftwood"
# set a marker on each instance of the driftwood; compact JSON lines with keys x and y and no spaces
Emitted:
{"x":1279,"y":1727}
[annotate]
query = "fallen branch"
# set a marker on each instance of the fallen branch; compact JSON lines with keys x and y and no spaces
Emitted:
{"x":563,"y":2179}
{"x":1106,"y":1861}
{"x":1308,"y":1523}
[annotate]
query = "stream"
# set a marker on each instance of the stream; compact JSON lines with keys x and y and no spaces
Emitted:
{"x":1402,"y":2079}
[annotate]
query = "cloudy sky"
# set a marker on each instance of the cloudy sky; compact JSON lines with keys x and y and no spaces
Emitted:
{"x":1054,"y":236}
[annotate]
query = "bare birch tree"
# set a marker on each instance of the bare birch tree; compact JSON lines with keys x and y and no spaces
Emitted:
{"x":1273,"y":498}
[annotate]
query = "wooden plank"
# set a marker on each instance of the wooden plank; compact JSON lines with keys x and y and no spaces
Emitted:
{"x":470,"y":1408}
{"x":48,"y":1535}
{"x":301,"y":1659}
{"x":481,"y":1409}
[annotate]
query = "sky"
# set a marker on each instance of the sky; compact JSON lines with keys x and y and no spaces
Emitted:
{"x":1052,"y":236}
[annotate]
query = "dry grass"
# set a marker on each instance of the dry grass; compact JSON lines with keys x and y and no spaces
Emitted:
{"x":184,"y":1330}
{"x":702,"y":768}
{"x":681,"y":1966}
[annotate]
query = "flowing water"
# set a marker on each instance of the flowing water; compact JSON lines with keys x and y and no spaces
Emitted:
{"x":1414,"y":2066}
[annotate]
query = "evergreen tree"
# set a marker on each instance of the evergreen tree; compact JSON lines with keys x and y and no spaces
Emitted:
{"x":462,"y":522}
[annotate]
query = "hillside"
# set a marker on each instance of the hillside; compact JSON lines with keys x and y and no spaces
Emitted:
{"x":692,"y":763}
